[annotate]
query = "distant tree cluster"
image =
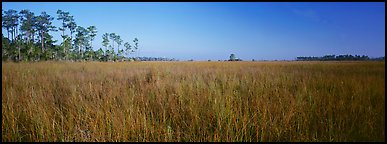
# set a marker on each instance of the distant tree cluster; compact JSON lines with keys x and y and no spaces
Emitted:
{"x":156,"y":59}
{"x":338,"y":58}
{"x":28,"y":39}
{"x":234,"y":58}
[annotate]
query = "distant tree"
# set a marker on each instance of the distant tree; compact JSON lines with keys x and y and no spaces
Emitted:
{"x":65,"y":19}
{"x":135,"y":41}
{"x":5,"y":47}
{"x":92,"y":33}
{"x":44,"y":25}
{"x":334,"y":58}
{"x":92,"y":30}
{"x":99,"y":54}
{"x":10,"y":21}
{"x":66,"y":47}
{"x":105,"y":41}
{"x":52,"y":50}
{"x":112,"y":37}
{"x":81,"y":40}
{"x":28,"y":21}
{"x":7,"y":21}
{"x":232,"y":57}
{"x":119,"y":43}
{"x":128,"y":47}
{"x":28,"y":28}
{"x":108,"y":53}
{"x":72,"y":26}
{"x":24,"y":46}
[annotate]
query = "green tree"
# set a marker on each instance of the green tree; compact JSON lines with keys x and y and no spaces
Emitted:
{"x":28,"y":28}
{"x":66,"y":45}
{"x":6,"y":21}
{"x":135,"y":41}
{"x":72,"y":26}
{"x":92,"y":33}
{"x":64,"y":17}
{"x":99,"y":54}
{"x":81,"y":40}
{"x":52,"y":50}
{"x":119,"y":43}
{"x":44,"y":25}
{"x":105,"y":41}
{"x":10,"y":21}
{"x":28,"y":21}
{"x":128,"y":47}
{"x":108,"y":54}
{"x":232,"y":57}
{"x":112,"y":36}
{"x":5,"y":47}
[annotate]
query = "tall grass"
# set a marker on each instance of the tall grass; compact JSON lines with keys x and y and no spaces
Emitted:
{"x":193,"y":101}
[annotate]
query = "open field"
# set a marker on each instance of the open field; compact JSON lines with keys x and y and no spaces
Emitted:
{"x":193,"y":101}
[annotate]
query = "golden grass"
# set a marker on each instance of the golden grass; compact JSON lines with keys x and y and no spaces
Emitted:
{"x":193,"y":101}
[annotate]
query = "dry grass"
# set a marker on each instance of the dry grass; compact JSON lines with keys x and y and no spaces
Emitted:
{"x":193,"y":101}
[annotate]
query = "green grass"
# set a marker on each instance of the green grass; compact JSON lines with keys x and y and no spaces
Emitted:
{"x":193,"y":101}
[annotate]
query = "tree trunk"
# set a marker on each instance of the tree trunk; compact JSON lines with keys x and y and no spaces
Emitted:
{"x":42,"y":41}
{"x":11,"y":40}
{"x":107,"y":59}
{"x":91,"y":43}
{"x":18,"y":58}
{"x":12,"y":33}
{"x":32,"y":37}
{"x":29,"y":51}
{"x":17,"y":32}
{"x":64,"y":47}
{"x":63,"y":34}
{"x":8,"y":32}
{"x":71,"y":39}
{"x":15,"y":36}
{"x":81,"y":53}
{"x":113,"y":47}
{"x":79,"y":48}
{"x":64,"y":51}
{"x":28,"y":37}
{"x":113,"y":51}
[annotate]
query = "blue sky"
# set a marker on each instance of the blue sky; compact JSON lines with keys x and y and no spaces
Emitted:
{"x":257,"y":30}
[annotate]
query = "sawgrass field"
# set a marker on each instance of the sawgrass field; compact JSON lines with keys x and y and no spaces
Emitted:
{"x":193,"y":101}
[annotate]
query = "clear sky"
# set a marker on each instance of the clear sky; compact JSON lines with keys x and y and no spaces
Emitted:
{"x":258,"y":30}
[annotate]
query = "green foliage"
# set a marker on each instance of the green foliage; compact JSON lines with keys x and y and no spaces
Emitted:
{"x":35,"y":43}
{"x":105,"y":42}
{"x":28,"y":24}
{"x":232,"y":57}
{"x":10,"y":22}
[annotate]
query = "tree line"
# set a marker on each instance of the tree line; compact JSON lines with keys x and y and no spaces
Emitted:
{"x":28,"y":39}
{"x":338,"y":58}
